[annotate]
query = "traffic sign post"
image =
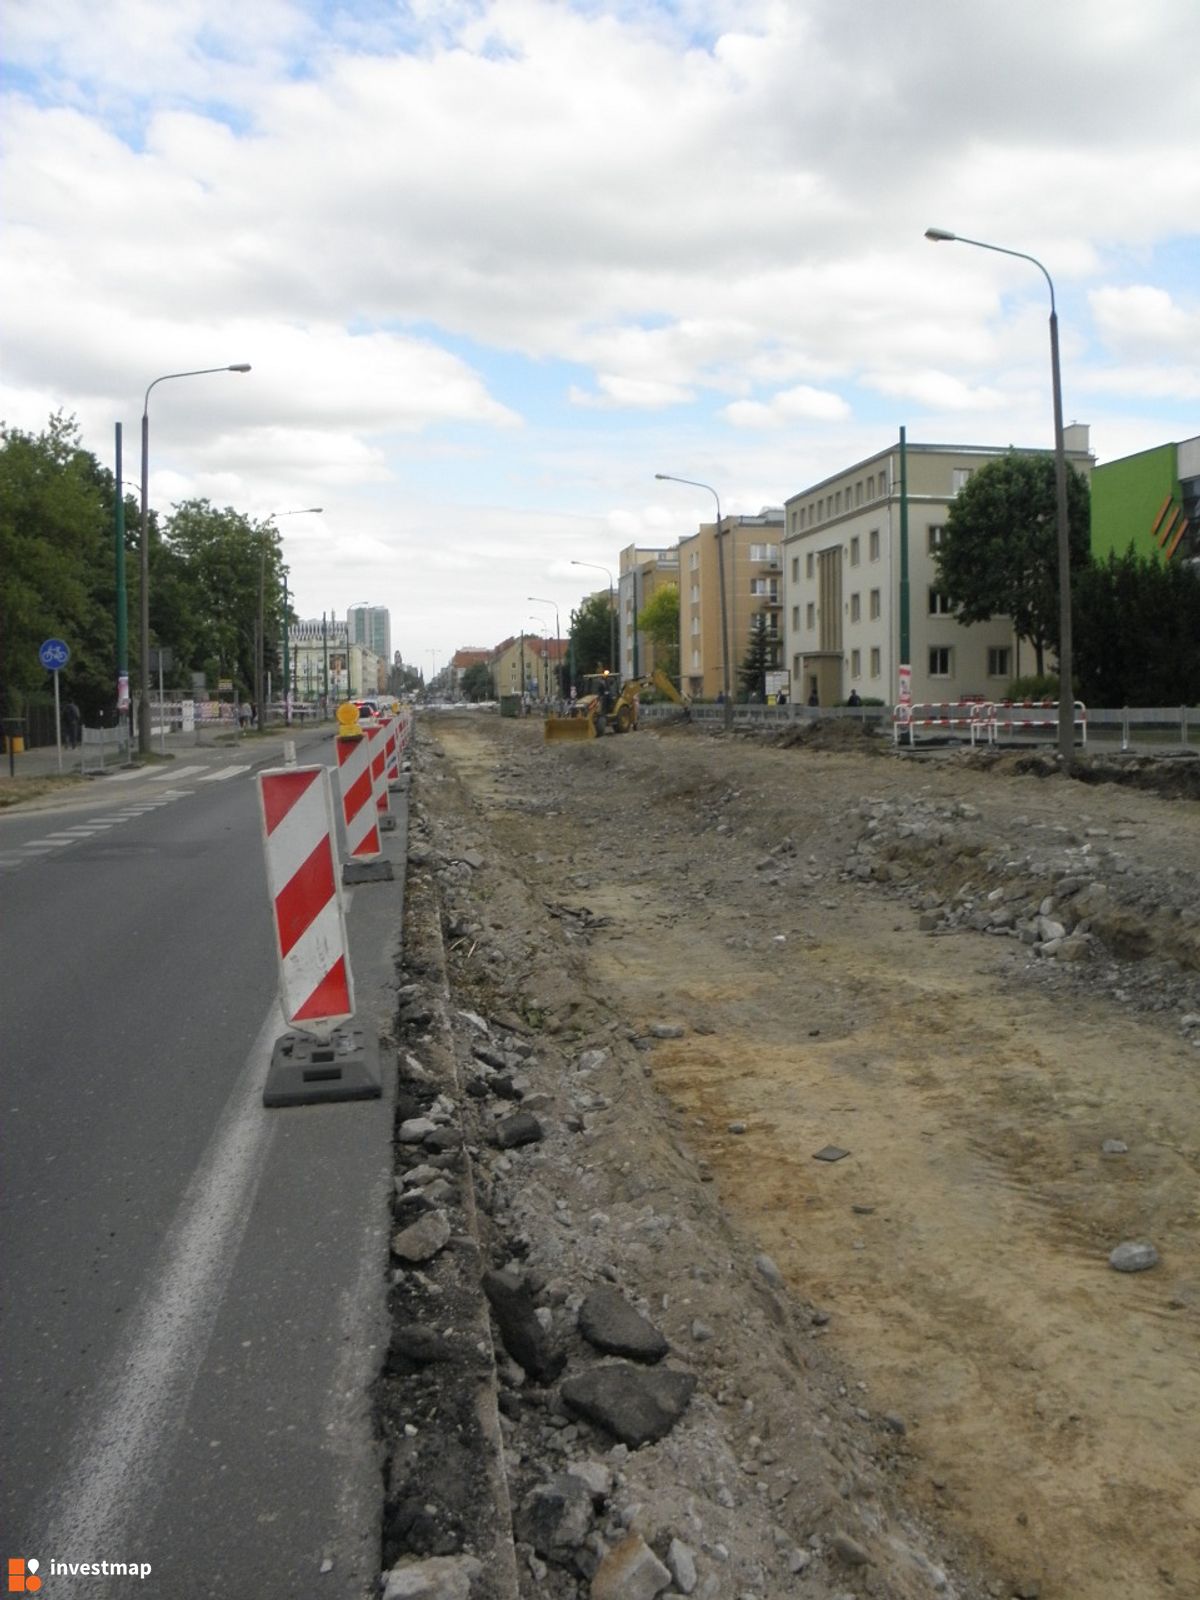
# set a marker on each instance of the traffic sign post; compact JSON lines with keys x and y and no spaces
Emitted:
{"x":54,"y":655}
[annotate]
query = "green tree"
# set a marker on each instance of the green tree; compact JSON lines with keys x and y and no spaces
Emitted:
{"x":477,"y":683}
{"x":57,"y":566}
{"x":762,"y":656}
{"x":1136,"y":632}
{"x":659,"y":618}
{"x":591,"y":636}
{"x":999,"y":550}
{"x":217,"y":568}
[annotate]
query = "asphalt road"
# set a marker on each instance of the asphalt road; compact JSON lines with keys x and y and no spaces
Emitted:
{"x":194,"y":1286}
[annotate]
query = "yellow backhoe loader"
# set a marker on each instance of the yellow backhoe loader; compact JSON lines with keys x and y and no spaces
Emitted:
{"x":607,"y":706}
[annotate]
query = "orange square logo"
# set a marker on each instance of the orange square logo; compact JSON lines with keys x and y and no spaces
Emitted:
{"x":22,"y":1575}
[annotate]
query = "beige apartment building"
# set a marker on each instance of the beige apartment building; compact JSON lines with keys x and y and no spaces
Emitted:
{"x":842,"y":571}
{"x":753,"y":584}
{"x":642,"y":573}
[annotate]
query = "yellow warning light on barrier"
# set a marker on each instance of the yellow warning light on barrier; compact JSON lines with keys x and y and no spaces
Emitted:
{"x":347,"y":715}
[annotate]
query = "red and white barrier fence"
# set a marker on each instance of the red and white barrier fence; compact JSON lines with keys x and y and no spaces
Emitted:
{"x":317,"y":989}
{"x":1008,"y":716}
{"x":957,"y":716}
{"x":359,"y":812}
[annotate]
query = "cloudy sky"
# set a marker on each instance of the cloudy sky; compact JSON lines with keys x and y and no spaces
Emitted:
{"x":497,"y":262}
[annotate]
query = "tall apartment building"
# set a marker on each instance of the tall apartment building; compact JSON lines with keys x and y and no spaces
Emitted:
{"x":371,"y":627}
{"x":842,"y":568}
{"x":753,"y":585}
{"x":642,"y":573}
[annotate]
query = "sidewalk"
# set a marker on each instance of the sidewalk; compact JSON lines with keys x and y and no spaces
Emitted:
{"x":260,"y":749}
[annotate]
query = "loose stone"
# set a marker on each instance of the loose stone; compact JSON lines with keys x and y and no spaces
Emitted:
{"x":1133,"y":1256}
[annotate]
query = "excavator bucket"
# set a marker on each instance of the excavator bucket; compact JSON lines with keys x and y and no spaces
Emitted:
{"x":560,"y":729}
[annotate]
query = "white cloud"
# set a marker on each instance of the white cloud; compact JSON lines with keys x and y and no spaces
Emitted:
{"x":1142,"y":317}
{"x":590,"y":240}
{"x":800,"y":404}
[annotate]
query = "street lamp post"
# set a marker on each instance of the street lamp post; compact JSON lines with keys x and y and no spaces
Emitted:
{"x":537,"y":600}
{"x":144,"y":564}
{"x":1066,"y":693}
{"x":612,"y":611}
{"x":668,"y":477}
{"x":541,"y":622}
{"x":303,"y":511}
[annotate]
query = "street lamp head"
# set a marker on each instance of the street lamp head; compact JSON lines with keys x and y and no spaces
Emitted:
{"x":661,"y":475}
{"x":239,"y":366}
{"x":940,"y":235}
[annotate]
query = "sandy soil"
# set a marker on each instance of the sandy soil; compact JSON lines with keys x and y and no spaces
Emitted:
{"x":961,"y":1245}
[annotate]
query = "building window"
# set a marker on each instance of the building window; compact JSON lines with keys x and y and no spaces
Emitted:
{"x":837,"y":501}
{"x":873,"y":605}
{"x":695,"y":660}
{"x":854,"y":551}
{"x":794,"y":520}
{"x":810,"y":616}
{"x":796,"y":668}
{"x":858,"y":493}
{"x":940,"y":657}
{"x":934,"y":539}
{"x":695,"y":594}
{"x":873,"y":544}
{"x":871,"y":487}
{"x":999,"y":657}
{"x":856,"y":663}
{"x":808,"y":565}
{"x":939,"y":604}
{"x":958,"y":479}
{"x":795,"y":569}
{"x":695,"y":625}
{"x":764,"y":552}
{"x":796,"y":619}
{"x":694,"y":560}
{"x":855,"y":608}
{"x":767,"y":588}
{"x":875,"y":661}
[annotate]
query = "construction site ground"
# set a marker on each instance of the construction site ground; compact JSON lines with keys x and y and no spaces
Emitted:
{"x":808,"y":1002}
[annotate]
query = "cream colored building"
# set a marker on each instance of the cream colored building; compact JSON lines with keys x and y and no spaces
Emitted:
{"x":842,"y":582}
{"x":642,"y":573}
{"x":753,"y":584}
{"x":515,"y":665}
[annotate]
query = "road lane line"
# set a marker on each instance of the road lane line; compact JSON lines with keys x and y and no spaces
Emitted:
{"x":176,"y":772}
{"x":225,"y":772}
{"x":107,"y":1493}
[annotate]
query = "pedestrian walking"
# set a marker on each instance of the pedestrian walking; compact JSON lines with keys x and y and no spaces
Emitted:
{"x":72,"y":722}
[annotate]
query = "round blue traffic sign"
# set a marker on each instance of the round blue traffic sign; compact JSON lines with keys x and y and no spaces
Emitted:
{"x":53,"y":655}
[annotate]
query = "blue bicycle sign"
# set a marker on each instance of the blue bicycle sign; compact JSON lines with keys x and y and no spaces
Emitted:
{"x":54,"y":655}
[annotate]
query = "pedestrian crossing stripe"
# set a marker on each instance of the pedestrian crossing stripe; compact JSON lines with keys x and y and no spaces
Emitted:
{"x":225,"y":772}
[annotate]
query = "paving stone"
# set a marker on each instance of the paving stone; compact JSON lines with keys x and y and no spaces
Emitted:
{"x":608,"y":1321}
{"x":635,"y":1405}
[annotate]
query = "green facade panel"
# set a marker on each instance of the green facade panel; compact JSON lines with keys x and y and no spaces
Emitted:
{"x":1126,"y":496}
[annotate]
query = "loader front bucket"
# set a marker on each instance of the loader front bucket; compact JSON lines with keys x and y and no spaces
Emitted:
{"x":559,"y":729}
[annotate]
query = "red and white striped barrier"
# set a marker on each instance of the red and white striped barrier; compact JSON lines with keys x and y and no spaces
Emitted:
{"x":392,"y":748}
{"x":1006,"y":716}
{"x":959,"y":716}
{"x":376,"y":742}
{"x":358,"y":797}
{"x":317,"y":988}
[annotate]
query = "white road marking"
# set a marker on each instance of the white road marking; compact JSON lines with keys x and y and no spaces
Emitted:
{"x":176,"y":772}
{"x":225,"y":772}
{"x":103,"y":1500}
{"x":37,"y":847}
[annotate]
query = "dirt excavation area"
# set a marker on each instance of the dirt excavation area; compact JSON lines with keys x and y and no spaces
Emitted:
{"x":870,"y":1062}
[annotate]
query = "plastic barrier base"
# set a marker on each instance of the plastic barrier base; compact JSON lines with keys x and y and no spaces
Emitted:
{"x":377,"y":871}
{"x":305,"y":1070}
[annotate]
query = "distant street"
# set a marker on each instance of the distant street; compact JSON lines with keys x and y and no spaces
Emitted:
{"x":192,"y":1284}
